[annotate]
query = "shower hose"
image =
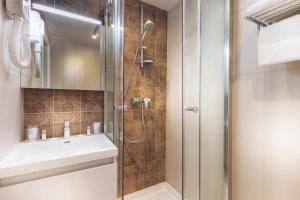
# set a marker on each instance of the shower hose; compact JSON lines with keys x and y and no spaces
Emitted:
{"x":126,"y":92}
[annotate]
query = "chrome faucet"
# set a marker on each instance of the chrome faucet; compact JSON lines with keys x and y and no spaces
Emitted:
{"x":142,"y":100}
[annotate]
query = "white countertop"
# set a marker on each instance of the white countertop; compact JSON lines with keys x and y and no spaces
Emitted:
{"x":54,"y":153}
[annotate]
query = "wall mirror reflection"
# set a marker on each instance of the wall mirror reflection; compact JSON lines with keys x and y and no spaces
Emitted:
{"x":67,"y":45}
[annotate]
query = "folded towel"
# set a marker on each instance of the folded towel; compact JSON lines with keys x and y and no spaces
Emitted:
{"x":279,"y":34}
{"x":266,"y":12}
{"x":280,"y":42}
{"x":262,"y":5}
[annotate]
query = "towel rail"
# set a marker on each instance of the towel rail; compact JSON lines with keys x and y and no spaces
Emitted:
{"x":274,"y":12}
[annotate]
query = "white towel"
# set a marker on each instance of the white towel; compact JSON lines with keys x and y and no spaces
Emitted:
{"x":262,"y":5}
{"x":280,"y":42}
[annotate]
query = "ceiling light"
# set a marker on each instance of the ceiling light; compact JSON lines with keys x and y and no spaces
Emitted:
{"x":48,"y":9}
{"x":96,"y":33}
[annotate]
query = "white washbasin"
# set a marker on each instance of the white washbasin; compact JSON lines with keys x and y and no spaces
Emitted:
{"x":54,"y":153}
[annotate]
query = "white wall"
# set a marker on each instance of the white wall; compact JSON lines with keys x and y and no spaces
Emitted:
{"x":266,"y":120}
{"x":174,"y":99}
{"x":10,"y":92}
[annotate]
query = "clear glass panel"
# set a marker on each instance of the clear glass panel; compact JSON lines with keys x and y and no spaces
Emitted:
{"x":205,"y":83}
{"x":114,"y":80}
{"x":118,"y":34}
{"x":109,"y":70}
{"x":145,"y":66}
{"x":213,"y":80}
{"x":191,"y":99}
{"x":174,"y":99}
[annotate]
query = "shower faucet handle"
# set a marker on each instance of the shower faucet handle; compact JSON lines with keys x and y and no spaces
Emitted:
{"x":141,"y":100}
{"x":146,"y":101}
{"x":135,"y":100}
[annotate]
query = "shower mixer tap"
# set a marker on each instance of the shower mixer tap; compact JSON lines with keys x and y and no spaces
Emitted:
{"x":142,"y":100}
{"x":146,"y":101}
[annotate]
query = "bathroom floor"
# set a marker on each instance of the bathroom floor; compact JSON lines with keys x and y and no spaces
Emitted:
{"x":162,"y":191}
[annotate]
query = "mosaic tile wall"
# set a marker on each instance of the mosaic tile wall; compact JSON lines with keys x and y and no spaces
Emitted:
{"x":145,"y":161}
{"x":51,"y":108}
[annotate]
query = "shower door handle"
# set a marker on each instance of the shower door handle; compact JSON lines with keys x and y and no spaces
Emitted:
{"x":191,"y":109}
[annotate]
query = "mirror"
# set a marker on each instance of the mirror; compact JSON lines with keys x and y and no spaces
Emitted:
{"x":68,"y":51}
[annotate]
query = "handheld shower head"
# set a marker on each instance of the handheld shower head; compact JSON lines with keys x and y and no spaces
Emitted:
{"x":148,"y":26}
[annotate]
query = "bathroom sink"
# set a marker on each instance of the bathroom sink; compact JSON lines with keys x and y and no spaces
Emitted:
{"x":27,"y":158}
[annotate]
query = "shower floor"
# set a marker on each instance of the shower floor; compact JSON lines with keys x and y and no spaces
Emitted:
{"x":161,"y":191}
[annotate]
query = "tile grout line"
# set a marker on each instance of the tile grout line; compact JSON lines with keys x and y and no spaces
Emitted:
{"x":43,"y":113}
{"x":155,"y":103}
{"x":264,"y":146}
{"x":53,"y":113}
{"x":80,"y":128}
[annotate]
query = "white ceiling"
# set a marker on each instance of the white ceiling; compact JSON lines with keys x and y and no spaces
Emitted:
{"x":163,"y":4}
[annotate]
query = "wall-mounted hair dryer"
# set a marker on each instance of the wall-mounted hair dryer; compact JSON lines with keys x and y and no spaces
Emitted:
{"x":14,"y":10}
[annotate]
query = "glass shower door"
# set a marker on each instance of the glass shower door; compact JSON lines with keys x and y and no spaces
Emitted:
{"x":191,"y":99}
{"x":206,"y":31}
{"x":214,"y":65}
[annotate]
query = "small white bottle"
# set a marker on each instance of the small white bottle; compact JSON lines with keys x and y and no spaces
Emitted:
{"x":67,"y":131}
{"x":88,"y":131}
{"x":44,"y":135}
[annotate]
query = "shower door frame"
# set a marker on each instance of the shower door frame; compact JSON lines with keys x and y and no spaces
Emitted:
{"x":116,"y":29}
{"x":227,"y":94}
{"x":227,"y":97}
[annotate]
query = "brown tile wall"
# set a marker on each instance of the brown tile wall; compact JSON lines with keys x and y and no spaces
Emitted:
{"x":145,"y":161}
{"x":51,"y":108}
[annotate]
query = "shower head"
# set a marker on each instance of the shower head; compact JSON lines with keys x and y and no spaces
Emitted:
{"x":148,"y":26}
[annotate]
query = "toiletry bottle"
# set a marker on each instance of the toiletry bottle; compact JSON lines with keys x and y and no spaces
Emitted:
{"x":67,"y":131}
{"x":44,"y":135}
{"x":88,"y":131}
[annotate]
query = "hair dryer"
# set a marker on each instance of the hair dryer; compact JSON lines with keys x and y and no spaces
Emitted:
{"x":14,"y":10}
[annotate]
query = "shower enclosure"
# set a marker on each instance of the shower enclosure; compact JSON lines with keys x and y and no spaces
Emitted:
{"x":205,"y":95}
